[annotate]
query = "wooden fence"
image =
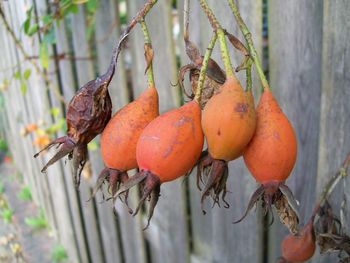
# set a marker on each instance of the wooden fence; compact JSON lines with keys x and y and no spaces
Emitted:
{"x":308,"y":62}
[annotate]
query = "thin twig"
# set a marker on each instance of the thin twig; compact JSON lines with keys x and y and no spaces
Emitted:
{"x":141,"y":14}
{"x":248,"y":37}
{"x":221,"y":35}
{"x":186,"y":19}
{"x":203,"y":71}
{"x":148,"y":53}
{"x":26,"y":56}
{"x":331,"y":184}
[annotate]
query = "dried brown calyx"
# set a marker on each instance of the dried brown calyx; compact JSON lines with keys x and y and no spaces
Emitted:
{"x":87,"y":114}
{"x":115,"y":179}
{"x":214,"y":78}
{"x":330,"y":233}
{"x":214,"y":172}
{"x":277,"y":194}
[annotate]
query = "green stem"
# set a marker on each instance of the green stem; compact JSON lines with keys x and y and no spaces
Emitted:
{"x":225,"y":53}
{"x":221,"y":35}
{"x":148,"y":48}
{"x":249,"y":75}
{"x":248,"y":37}
{"x":203,"y":71}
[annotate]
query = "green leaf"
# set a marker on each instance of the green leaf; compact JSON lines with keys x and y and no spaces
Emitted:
{"x":91,"y":5}
{"x":79,"y":2}
{"x":58,"y":254}
{"x":23,"y":87}
{"x":26,"y":26}
{"x":47,"y":19}
{"x":17,"y":75}
{"x":44,"y":55}
{"x":7,"y":214}
{"x":25,"y":193}
{"x":55,"y":111}
{"x":50,"y":36}
{"x":26,"y":73}
{"x":32,"y":29}
{"x":71,"y":9}
{"x":29,"y":12}
{"x":36,"y":222}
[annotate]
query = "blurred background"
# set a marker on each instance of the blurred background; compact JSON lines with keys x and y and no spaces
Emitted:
{"x":50,"y":48}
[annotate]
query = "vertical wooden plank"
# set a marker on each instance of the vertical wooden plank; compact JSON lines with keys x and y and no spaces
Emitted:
{"x":213,"y":233}
{"x":85,"y":73}
{"x":169,"y":217}
{"x":201,"y":225}
{"x":22,"y":114}
{"x":107,"y":33}
{"x":335,"y":107}
{"x":38,"y":104}
{"x":295,"y":70}
{"x":63,"y":200}
{"x":250,"y":229}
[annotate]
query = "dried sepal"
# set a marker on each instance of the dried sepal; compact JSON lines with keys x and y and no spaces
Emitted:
{"x":150,"y":189}
{"x":213,"y":175}
{"x":287,"y":214}
{"x":277,"y":194}
{"x":149,"y":53}
{"x":115,"y":180}
{"x":329,"y":232}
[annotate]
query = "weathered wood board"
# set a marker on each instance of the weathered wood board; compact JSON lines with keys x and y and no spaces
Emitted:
{"x":295,"y":56}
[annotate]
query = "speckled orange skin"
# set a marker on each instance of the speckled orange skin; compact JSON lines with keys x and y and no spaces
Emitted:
{"x":299,"y":248}
{"x":120,"y":136}
{"x":229,"y":121}
{"x":172,"y":143}
{"x":272,"y":152}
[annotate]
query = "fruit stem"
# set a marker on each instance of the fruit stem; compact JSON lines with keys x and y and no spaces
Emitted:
{"x":148,"y":53}
{"x":221,"y":35}
{"x":331,"y":184}
{"x":248,"y":37}
{"x":141,"y":14}
{"x":204,"y":66}
{"x":249,"y":75}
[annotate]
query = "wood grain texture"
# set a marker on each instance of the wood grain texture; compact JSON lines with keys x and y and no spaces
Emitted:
{"x":169,"y":217}
{"x":295,"y":68}
{"x":335,"y":107}
{"x":213,"y":240}
{"x":106,"y":36}
{"x":36,"y":95}
{"x":85,"y":73}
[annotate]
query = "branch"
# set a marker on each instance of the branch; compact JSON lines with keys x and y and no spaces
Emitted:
{"x":141,"y":14}
{"x":248,"y":37}
{"x":203,"y":71}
